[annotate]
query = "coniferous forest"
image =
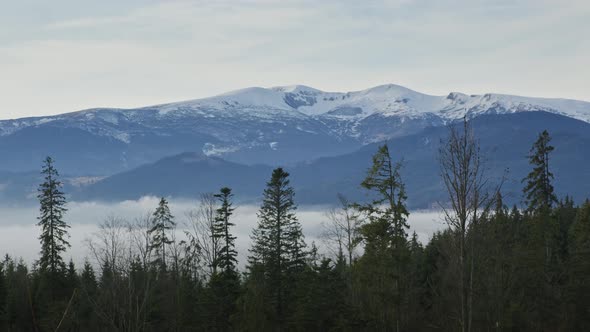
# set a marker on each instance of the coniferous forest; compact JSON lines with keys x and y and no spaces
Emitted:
{"x":493,"y":268}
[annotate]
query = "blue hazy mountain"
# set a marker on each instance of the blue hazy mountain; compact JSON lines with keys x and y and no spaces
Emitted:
{"x":325,"y":139}
{"x":505,"y":141}
{"x":282,"y":125}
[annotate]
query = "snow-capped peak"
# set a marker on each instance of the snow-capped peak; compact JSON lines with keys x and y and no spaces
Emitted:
{"x":296,"y":89}
{"x":307,"y":103}
{"x":385,"y":100}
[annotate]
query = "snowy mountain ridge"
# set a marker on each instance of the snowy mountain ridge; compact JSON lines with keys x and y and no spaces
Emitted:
{"x":285,"y":124}
{"x":301,"y":101}
{"x":387,"y":99}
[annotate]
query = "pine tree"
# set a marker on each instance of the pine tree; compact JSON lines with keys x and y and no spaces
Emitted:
{"x":71,"y":275}
{"x":53,"y":227}
{"x":278,"y":246}
{"x":227,"y":255}
{"x":543,"y":245}
{"x":18,"y":314}
{"x":88,"y":291}
{"x":163,"y":222}
{"x":388,"y":206}
{"x":538,"y":190}
{"x":386,"y":248}
{"x":224,"y":285}
{"x":296,"y":249}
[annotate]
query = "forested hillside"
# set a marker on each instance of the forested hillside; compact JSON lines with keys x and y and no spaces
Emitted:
{"x":494,"y":268}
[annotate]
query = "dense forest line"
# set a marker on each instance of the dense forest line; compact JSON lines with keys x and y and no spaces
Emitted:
{"x":494,"y":268}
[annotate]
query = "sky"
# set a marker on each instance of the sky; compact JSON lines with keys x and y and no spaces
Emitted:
{"x":66,"y":55}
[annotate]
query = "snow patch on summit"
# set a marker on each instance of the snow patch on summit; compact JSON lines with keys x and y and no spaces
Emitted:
{"x":233,"y":117}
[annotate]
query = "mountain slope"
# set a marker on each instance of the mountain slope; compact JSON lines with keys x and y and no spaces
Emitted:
{"x":505,"y":141}
{"x":183,"y":175}
{"x":281,"y":125}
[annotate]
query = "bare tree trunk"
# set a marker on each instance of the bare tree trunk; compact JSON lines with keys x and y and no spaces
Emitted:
{"x":466,"y":185}
{"x":200,"y":234}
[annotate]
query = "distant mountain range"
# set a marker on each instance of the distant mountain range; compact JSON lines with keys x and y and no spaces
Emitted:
{"x":325,"y":139}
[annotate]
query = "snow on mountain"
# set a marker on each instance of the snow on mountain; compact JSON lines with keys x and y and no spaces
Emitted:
{"x":260,"y":98}
{"x":261,"y":125}
{"x":298,"y":100}
{"x":386,"y":100}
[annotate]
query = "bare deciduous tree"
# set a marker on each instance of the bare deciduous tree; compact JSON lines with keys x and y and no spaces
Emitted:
{"x":140,"y":237}
{"x":116,"y":246}
{"x":341,"y":231}
{"x":201,"y":245}
{"x":108,"y":245}
{"x":466,"y":185}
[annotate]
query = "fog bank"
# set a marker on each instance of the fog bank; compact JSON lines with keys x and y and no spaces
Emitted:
{"x":19,"y":233}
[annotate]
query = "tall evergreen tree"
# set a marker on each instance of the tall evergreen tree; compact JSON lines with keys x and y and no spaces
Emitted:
{"x":388,"y":205}
{"x":162,"y":223}
{"x":278,"y":246}
{"x":386,"y":246}
{"x":543,"y":248}
{"x":54,"y":230}
{"x":538,"y":190}
{"x":88,"y":291}
{"x":227,"y":255}
{"x":224,"y":283}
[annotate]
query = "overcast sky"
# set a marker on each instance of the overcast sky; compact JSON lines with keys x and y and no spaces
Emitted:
{"x":61,"y":56}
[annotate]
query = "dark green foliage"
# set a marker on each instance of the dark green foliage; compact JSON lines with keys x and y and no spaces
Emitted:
{"x":322,"y":300}
{"x":3,"y":292}
{"x":88,"y":293}
{"x":381,"y":273}
{"x":388,"y":205}
{"x":54,"y":284}
{"x":578,"y":286}
{"x":53,"y":228}
{"x":254,"y":313}
{"x":226,"y":257}
{"x":19,"y":314}
{"x":530,"y":272}
{"x":163,"y":222}
{"x":278,"y":250}
{"x":538,"y":189}
{"x":224,"y":285}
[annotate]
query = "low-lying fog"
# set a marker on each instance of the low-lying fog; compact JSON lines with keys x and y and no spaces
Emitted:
{"x":19,"y":233}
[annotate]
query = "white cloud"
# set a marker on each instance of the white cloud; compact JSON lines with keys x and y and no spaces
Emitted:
{"x":165,"y":51}
{"x":19,"y":233}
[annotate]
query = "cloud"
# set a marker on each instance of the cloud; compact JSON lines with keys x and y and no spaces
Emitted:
{"x":19,"y":233}
{"x":147,"y":52}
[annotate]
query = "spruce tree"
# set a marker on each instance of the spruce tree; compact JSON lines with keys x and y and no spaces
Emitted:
{"x":227,"y":255}
{"x":543,"y":247}
{"x":224,"y":283}
{"x":88,"y":281}
{"x":278,"y":246}
{"x":386,"y":257}
{"x":54,"y":230}
{"x":388,"y":205}
{"x":538,"y":190}
{"x":88,"y":292}
{"x":162,"y":223}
